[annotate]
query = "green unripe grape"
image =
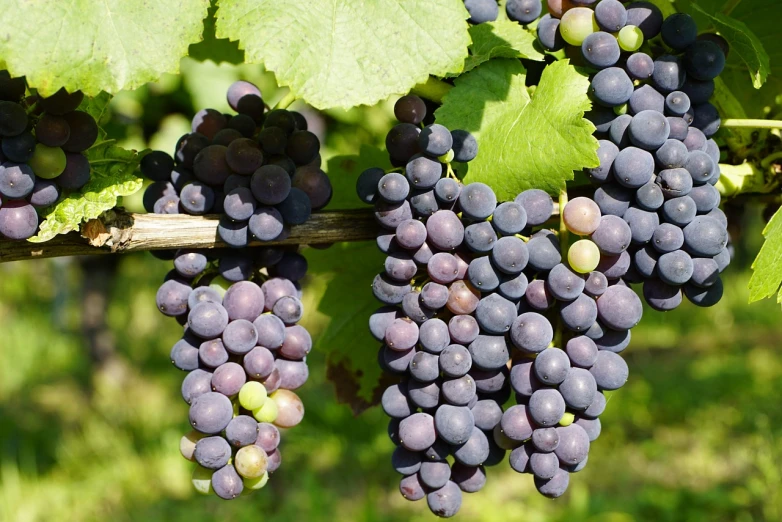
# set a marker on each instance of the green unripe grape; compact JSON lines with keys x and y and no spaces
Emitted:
{"x":620,"y":109}
{"x":251,"y":462}
{"x":202,"y":480}
{"x":447,"y":157}
{"x":577,"y":24}
{"x":583,"y":256}
{"x":254,"y":484}
{"x":47,"y":162}
{"x":631,"y":38}
{"x":567,"y":419}
{"x":267,"y":412}
{"x":220,"y":284}
{"x":252,"y":395}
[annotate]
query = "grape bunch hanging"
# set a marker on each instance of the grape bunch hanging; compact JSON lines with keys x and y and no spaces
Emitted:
{"x":483,"y":301}
{"x":243,"y":350}
{"x":42,"y":145}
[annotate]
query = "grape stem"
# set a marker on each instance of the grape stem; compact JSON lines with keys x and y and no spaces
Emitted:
{"x":450,"y":173}
{"x":752,"y":124}
{"x":432,"y":89}
{"x":286,"y":101}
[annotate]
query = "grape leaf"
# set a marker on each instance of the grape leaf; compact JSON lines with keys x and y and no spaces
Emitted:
{"x":524,"y":142}
{"x":343,"y":53}
{"x":344,"y":171}
{"x":501,"y":39}
{"x":95,"y":45}
{"x":343,"y":294}
{"x":744,"y":43}
{"x":218,"y":50}
{"x":112,"y":174}
{"x":767,"y":267}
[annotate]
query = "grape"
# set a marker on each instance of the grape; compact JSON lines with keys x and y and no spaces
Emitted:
{"x":477,"y":201}
{"x":679,"y":128}
{"x":705,"y":272}
{"x":674,"y":182}
{"x":643,"y":223}
{"x":487,"y":414}
{"x":544,"y":465}
{"x":619,"y":308}
{"x":707,"y":119}
{"x":648,"y":130}
{"x":668,"y":73}
{"x":647,"y":16}
{"x":544,"y":252}
{"x":516,"y":423}
{"x":695,"y":140}
{"x":661,"y":296}
{"x":640,"y":66}
{"x":631,"y":38}
{"x":618,"y":131}
{"x":251,"y":462}
{"x":480,"y":237}
{"x":445,"y":230}
{"x":595,"y":284}
{"x":704,"y":60}
{"x":510,"y":255}
{"x":645,"y":98}
{"x":633,"y":167}
{"x":443,"y":268}
{"x":600,"y":50}
{"x":184,"y":356}
{"x":612,"y":198}
{"x":537,"y":204}
{"x":704,"y":296}
{"x":581,"y":216}
{"x":446,"y":501}
{"x":417,"y":431}
{"x":210,"y":412}
{"x":433,"y":335}
{"x":435,"y":140}
{"x":564,"y":283}
{"x":611,"y":86}
{"x":546,"y":407}
{"x":228,"y":379}
{"x":679,"y":31}
{"x":679,"y":211}
{"x":401,"y":334}
{"x":677,"y":103}
{"x":481,"y":11}
{"x":402,"y":142}
{"x":577,"y":24}
{"x":212,"y":452}
{"x":16,"y":180}
{"x":489,"y":352}
{"x":582,"y":352}
{"x":482,"y":275}
{"x":463,"y":329}
{"x":410,"y":109}
{"x":509,"y":218}
{"x":242,"y":430}
{"x":13,"y":118}
{"x":302,"y":147}
{"x":195,"y":384}
{"x":606,"y":153}
{"x":465,"y":146}
{"x":291,"y":409}
{"x":675,"y":268}
{"x":667,"y":238}
{"x":54,"y":131}
{"x":393,"y":188}
{"x":531,"y":332}
{"x":523,"y":11}
{"x":297,"y":343}
{"x":268,"y":412}
{"x":20,"y":149}
{"x":583,"y":256}
{"x":578,"y":315}
{"x":458,"y":391}
{"x":44,"y":193}
{"x":548,"y":33}
{"x":705,"y":236}
{"x":474,"y":451}
{"x":227,"y":483}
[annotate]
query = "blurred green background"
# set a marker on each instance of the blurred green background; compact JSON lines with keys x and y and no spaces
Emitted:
{"x":90,"y":411}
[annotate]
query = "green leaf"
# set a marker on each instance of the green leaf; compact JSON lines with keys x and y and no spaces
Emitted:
{"x":343,"y":53}
{"x":97,"y":45}
{"x":524,"y":142}
{"x":767,"y":267}
{"x":743,"y":42}
{"x":344,"y":171}
{"x":501,"y":39}
{"x":218,"y":50}
{"x":342,"y":290}
{"x":113,"y":174}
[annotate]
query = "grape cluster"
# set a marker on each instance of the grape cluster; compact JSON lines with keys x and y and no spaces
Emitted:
{"x":244,"y":354}
{"x":260,"y":169}
{"x":522,"y":11}
{"x":42,"y":144}
{"x":661,"y":220}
